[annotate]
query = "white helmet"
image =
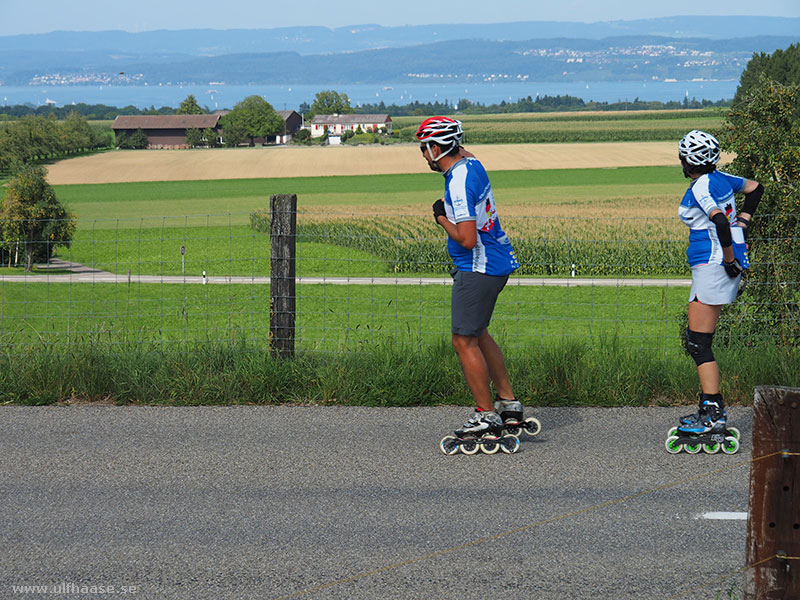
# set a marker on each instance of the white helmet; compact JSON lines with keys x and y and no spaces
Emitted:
{"x":443,"y":131}
{"x":699,"y":148}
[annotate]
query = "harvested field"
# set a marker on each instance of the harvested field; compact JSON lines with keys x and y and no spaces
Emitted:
{"x":244,"y":163}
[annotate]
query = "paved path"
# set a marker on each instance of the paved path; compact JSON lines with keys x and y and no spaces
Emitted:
{"x":330,"y":503}
{"x":88,"y":275}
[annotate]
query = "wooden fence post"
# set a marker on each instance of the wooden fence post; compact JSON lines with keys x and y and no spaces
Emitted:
{"x":773,"y":529}
{"x":282,"y":242}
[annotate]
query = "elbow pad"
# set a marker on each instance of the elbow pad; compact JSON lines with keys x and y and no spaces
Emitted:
{"x":752,"y":199}
{"x":723,"y":229}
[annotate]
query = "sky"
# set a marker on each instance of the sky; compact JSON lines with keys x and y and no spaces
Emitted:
{"x":40,"y":16}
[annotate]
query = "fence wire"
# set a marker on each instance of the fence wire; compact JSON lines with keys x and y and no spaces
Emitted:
{"x":361,"y":279}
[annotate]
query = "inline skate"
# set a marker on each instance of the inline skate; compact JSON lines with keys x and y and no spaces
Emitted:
{"x":705,"y":430}
{"x":510,"y":412}
{"x":482,"y":432}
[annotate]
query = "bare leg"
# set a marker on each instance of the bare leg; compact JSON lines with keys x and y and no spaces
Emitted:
{"x":475,"y":368}
{"x":496,"y":364}
{"x":703,"y":319}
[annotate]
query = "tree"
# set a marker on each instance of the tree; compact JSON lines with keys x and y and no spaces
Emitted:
{"x":33,"y":218}
{"x":136,"y":141}
{"x":77,"y":132}
{"x":233,"y":132}
{"x":255,"y":117}
{"x":194,"y":138}
{"x":211,"y":137}
{"x":302,"y":137}
{"x":190,"y":107}
{"x":330,"y":102}
{"x":762,"y":130}
{"x":782,"y":66}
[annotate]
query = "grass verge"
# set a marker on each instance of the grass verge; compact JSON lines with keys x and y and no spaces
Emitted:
{"x":567,"y":374}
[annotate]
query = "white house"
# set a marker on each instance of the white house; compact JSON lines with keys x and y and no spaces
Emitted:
{"x":337,"y":124}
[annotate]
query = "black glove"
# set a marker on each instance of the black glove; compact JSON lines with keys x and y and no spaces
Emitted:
{"x":733,"y":268}
{"x":438,"y":210}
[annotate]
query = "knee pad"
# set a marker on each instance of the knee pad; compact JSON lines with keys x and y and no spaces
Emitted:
{"x":698,"y":345}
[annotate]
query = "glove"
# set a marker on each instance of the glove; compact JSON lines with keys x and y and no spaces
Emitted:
{"x":733,"y":268}
{"x":438,"y":210}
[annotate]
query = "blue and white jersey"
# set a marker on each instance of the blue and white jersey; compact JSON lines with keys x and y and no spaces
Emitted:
{"x":468,"y":197}
{"x":707,"y":193}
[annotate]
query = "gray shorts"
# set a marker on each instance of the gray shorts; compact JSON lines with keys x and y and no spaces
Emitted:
{"x":711,"y":285}
{"x":472,"y":301}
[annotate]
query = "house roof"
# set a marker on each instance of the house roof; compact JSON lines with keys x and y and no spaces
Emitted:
{"x":350,"y":119}
{"x":165,"y":121}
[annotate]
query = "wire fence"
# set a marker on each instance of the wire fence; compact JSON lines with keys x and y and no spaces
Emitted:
{"x":361,"y":279}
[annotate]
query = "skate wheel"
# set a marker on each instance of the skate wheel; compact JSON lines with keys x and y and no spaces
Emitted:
{"x":693,"y":448}
{"x":672,"y":431}
{"x":532,"y":426}
{"x":731,"y":445}
{"x":469,"y":446}
{"x":509,"y":444}
{"x":733,"y":432}
{"x":514,"y":430}
{"x":490,"y":446}
{"x":673,"y":447}
{"x":711,"y":448}
{"x":449,"y":445}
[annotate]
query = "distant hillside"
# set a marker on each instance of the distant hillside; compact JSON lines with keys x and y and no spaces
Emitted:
{"x":613,"y":59}
{"x":675,"y":47}
{"x":320,"y":40}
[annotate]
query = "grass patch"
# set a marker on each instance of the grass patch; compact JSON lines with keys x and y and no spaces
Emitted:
{"x":383,"y":374}
{"x":331,"y":318}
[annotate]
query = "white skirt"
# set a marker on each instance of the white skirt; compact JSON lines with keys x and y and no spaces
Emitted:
{"x":711,"y":285}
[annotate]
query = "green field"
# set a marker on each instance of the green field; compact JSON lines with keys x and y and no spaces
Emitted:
{"x":572,"y":127}
{"x":129,"y":205}
{"x":329,"y":317}
{"x":607,"y":227}
{"x":607,"y":221}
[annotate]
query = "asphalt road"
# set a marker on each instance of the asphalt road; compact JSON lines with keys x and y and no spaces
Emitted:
{"x":359,"y":503}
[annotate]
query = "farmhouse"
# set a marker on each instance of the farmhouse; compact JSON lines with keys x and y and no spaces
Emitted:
{"x":337,"y":124}
{"x":164,"y":131}
{"x":293,"y":124}
{"x":169,"y":131}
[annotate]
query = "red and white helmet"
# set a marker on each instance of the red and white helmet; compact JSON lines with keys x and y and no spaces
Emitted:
{"x":699,"y":148}
{"x":444,"y":131}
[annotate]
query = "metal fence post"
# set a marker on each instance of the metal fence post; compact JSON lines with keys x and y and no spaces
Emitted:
{"x":282,"y":241}
{"x":773,"y":529}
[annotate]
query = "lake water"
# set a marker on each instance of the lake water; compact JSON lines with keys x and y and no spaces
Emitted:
{"x":284,"y":97}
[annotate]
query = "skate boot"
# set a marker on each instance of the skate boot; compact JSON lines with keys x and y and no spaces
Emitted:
{"x":483,"y":431}
{"x":701,"y":408}
{"x":707,"y":430}
{"x":513,"y":422}
{"x":482,"y":423}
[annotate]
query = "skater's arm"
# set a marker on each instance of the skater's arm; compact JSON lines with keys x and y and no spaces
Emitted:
{"x":723,"y":234}
{"x":752,"y":196}
{"x":464,"y":233}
